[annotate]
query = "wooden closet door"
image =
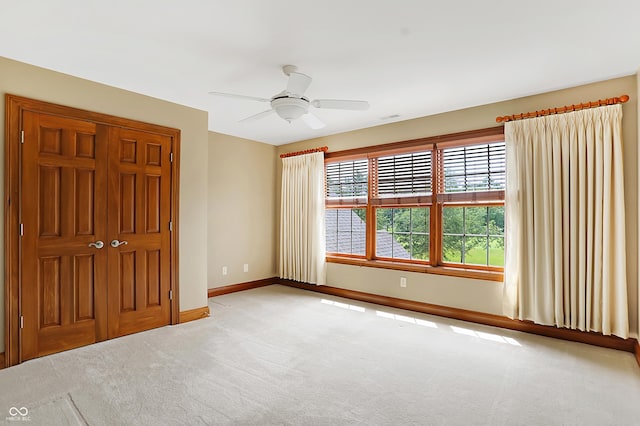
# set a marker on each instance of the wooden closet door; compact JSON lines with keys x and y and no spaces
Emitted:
{"x":139,"y":192}
{"x":63,"y":288}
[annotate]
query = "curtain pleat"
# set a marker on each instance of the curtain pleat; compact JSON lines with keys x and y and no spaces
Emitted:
{"x":565,"y":263}
{"x":302,"y":239}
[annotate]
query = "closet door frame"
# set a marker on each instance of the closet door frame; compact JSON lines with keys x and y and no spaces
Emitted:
{"x":14,"y":108}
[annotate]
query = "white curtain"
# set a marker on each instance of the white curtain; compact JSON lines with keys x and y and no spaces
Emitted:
{"x":565,"y":257}
{"x":302,"y":239}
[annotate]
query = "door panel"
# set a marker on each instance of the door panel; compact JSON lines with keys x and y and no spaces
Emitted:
{"x":84,"y":202}
{"x":64,"y":285}
{"x":139,"y":214}
{"x":57,"y":184}
{"x":83,"y":182}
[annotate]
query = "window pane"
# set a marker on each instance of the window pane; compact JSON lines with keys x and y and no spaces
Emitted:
{"x":344,"y":243}
{"x":473,"y":235}
{"x":404,"y":174}
{"x":475,"y":250}
{"x":358,"y":243}
{"x":452,"y":248}
{"x":452,"y":220}
{"x":476,"y":220}
{"x":401,"y":220}
{"x":399,"y":237}
{"x":346,"y":231}
{"x":420,"y":220}
{"x":496,"y":251}
{"x":384,"y":219}
{"x":331,"y":230}
{"x":474,"y":168}
{"x":496,"y":220}
{"x":347,"y":179}
{"x":420,"y":246}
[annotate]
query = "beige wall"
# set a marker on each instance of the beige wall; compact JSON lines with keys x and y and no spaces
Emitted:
{"x":483,"y":296}
{"x":37,"y":83}
{"x":242,"y":191}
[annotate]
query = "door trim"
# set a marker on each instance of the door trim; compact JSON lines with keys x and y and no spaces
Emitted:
{"x":14,"y":108}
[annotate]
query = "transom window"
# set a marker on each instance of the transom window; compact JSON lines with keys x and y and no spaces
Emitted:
{"x":436,"y":204}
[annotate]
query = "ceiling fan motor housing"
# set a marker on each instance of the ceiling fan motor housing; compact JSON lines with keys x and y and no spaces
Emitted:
{"x":290,"y":108}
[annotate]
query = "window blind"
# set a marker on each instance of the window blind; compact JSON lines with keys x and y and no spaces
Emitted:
{"x":347,"y":179}
{"x":474,"y":168}
{"x":404,"y":174}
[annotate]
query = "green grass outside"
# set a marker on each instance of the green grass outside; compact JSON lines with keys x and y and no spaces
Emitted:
{"x":477,"y":256}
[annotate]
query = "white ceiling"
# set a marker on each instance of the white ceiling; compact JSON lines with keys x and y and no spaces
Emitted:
{"x":409,"y":58}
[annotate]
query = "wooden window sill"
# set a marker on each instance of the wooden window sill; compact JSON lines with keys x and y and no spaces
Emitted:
{"x":438,"y":270}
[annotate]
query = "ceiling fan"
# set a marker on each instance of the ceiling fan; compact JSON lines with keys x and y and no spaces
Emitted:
{"x":290,"y":104}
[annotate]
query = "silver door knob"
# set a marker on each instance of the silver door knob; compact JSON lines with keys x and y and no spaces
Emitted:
{"x":98,"y":244}
{"x":116,"y":243}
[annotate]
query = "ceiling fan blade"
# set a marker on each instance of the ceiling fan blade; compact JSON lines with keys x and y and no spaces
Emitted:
{"x":312,"y":121}
{"x":257,"y":116}
{"x":340,"y":104}
{"x":233,"y":95}
{"x":298,"y":83}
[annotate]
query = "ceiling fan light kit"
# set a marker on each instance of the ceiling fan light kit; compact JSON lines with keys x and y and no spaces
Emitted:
{"x":291,"y":104}
{"x":290,"y":108}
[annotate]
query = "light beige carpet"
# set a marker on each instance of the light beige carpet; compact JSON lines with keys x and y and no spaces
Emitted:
{"x":278,"y":355}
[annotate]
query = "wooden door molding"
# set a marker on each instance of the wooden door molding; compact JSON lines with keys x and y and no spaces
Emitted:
{"x":15,"y":106}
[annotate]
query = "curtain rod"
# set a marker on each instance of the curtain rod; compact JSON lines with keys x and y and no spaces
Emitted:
{"x":306,"y":151}
{"x":575,"y":107}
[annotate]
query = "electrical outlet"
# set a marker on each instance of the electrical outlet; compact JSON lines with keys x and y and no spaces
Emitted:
{"x":403,"y":282}
{"x":225,"y":271}
{"x":246,"y":267}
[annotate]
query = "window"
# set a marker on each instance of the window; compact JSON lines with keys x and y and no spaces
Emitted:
{"x":473,"y":232}
{"x":433,"y":205}
{"x":345,"y":231}
{"x":473,"y":235}
{"x":347,"y":183}
{"x":402,"y":233}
